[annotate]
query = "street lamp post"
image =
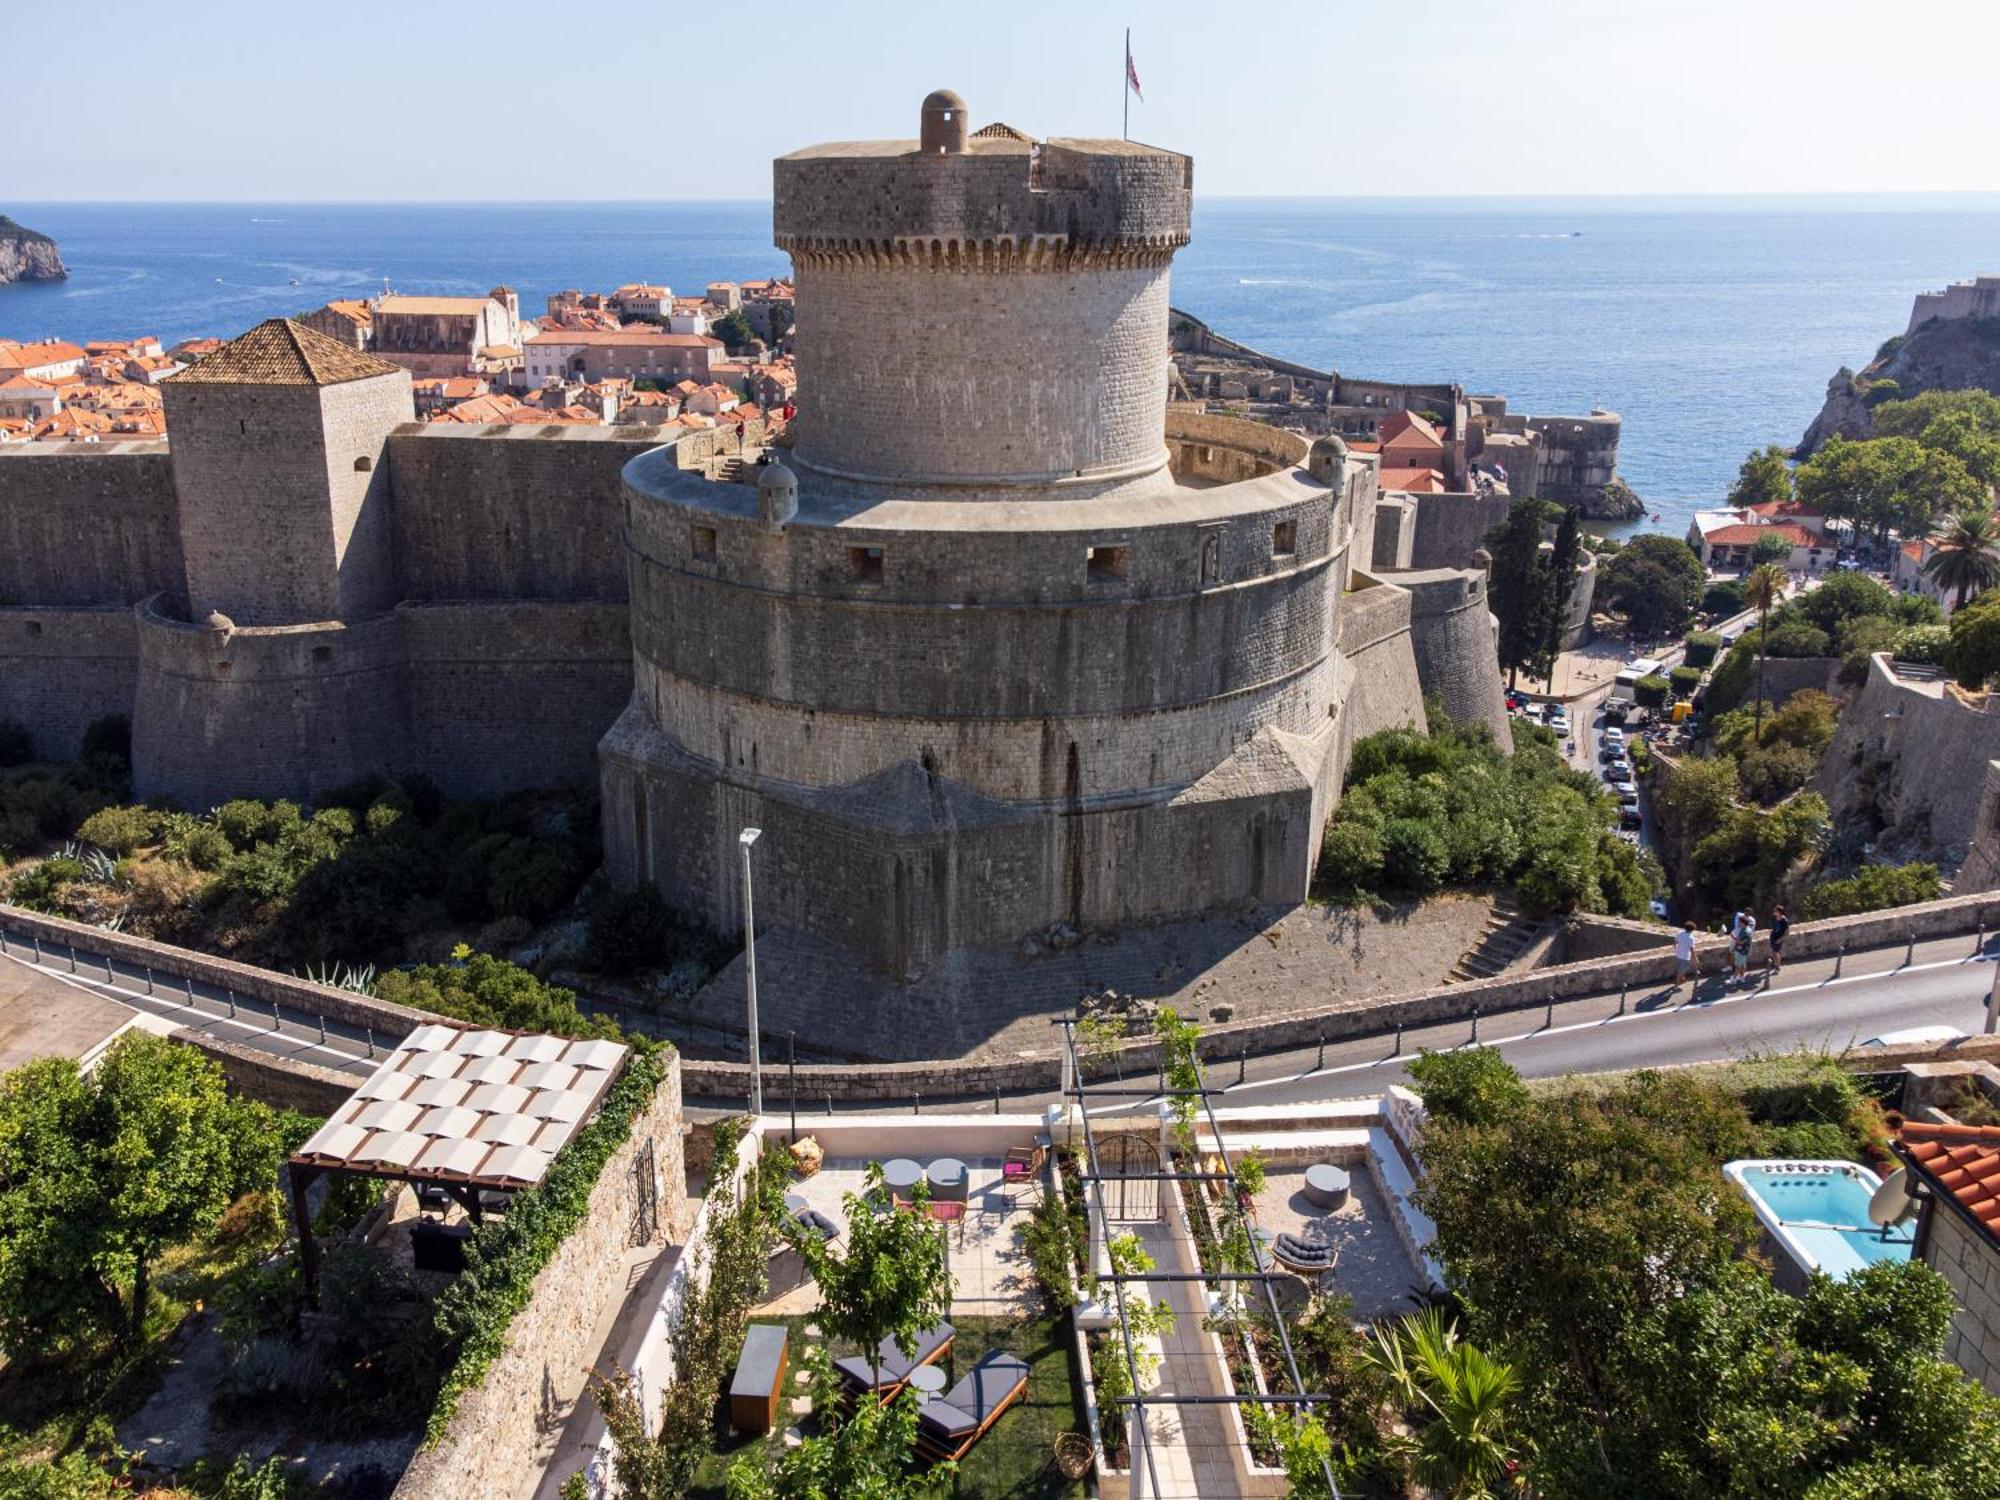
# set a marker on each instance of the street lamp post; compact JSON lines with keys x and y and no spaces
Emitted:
{"x":749,"y":837}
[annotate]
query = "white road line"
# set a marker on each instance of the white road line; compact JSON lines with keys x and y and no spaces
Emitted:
{"x":140,"y":1001}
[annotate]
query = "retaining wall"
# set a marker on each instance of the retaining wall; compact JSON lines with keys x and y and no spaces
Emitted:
{"x":282,"y":1082}
{"x":494,"y":1442}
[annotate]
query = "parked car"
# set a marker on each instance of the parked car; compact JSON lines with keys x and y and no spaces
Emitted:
{"x":1629,"y":818}
{"x":1614,"y":735}
{"x":1628,"y":793}
{"x":1558,"y":721}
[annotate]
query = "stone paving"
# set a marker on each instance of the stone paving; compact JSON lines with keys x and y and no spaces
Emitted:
{"x":988,"y":1266}
{"x":1373,"y":1266}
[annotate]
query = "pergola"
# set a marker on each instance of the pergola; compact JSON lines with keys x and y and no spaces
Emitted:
{"x":469,"y":1109}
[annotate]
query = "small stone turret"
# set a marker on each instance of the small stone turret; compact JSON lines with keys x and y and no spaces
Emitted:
{"x":1328,"y":461}
{"x":777,"y":495}
{"x":943,"y":132}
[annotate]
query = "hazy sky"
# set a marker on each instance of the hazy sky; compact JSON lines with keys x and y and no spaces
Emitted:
{"x":362,"y":99}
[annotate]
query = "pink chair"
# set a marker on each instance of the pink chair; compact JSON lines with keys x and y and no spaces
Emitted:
{"x":1020,"y":1167}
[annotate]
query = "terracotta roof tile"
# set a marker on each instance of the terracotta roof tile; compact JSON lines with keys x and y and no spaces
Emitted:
{"x":1413,"y":481}
{"x":1963,"y":1161}
{"x":1408,"y":430}
{"x":1749,"y":533}
{"x":281,"y":352}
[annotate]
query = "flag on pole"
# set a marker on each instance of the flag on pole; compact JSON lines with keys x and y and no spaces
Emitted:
{"x":1132,"y":74}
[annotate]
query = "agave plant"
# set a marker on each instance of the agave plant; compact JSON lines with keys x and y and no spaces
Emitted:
{"x":1458,"y":1395}
{"x":100,"y":866}
{"x":361,"y":979}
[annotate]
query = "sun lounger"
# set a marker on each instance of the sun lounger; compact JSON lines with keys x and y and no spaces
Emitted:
{"x":891,"y":1370}
{"x":948,"y":1426}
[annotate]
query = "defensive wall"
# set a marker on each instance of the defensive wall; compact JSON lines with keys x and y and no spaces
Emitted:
{"x":1456,"y":642}
{"x":1914,"y":753}
{"x":1448,"y":529}
{"x":86,"y":524}
{"x":62,"y":666}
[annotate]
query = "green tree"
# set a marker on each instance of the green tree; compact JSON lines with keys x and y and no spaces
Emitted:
{"x":734,"y":330}
{"x":1965,"y":424}
{"x":1562,"y":567}
{"x":1762,"y":589}
{"x":1967,"y":555}
{"x":1972,"y":654}
{"x":892,"y":1279}
{"x":100,"y":1173}
{"x":1764,"y":478}
{"x":489,"y":991}
{"x":1520,"y":590}
{"x":863,"y":1449}
{"x":1469,"y":1085}
{"x":1458,"y":1396}
{"x":1655,"y":582}
{"x":1771,"y":548}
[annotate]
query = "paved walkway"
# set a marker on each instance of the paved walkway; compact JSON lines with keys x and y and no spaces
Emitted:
{"x":1189,"y":1444}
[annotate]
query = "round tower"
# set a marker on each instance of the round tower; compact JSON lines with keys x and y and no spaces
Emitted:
{"x":983,"y":311}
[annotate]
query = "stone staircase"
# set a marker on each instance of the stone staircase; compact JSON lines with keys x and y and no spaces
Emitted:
{"x":1509,"y":935}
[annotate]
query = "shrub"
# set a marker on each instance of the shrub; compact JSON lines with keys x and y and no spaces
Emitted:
{"x":1350,"y":859}
{"x":1651,"y":692}
{"x":1874,"y":888}
{"x":17,"y":746}
{"x":1415,"y":857}
{"x":1723,"y":600}
{"x":198,"y":845}
{"x":1684,"y":680}
{"x":630,"y":929}
{"x":1702,"y":647}
{"x":1770,"y":773}
{"x":40,"y":886}
{"x":119,"y":829}
{"x":108,"y":739}
{"x":489,"y":991}
{"x":1470,"y":1086}
{"x":1923,"y":644}
{"x":1795,"y":638}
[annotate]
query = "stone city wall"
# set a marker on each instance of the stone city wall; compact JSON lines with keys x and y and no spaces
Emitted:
{"x":87,"y":523}
{"x":63,"y":666}
{"x":1375,"y":638}
{"x":280,"y":711}
{"x":508,"y":513}
{"x":1454,"y":635}
{"x":1450,"y":528}
{"x":495,"y":1440}
{"x":1914,"y":753}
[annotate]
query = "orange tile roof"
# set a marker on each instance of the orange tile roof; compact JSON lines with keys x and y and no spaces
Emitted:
{"x":1963,"y":1163}
{"x":1914,"y":551}
{"x":1408,"y":430}
{"x":1413,"y":481}
{"x":27,"y":356}
{"x":636,"y":338}
{"x":463,"y":307}
{"x":1774,"y":508}
{"x":1748,"y":533}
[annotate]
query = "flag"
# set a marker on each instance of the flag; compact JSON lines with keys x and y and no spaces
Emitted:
{"x":1132,"y":76}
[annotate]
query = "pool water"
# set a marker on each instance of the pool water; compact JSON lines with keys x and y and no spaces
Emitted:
{"x":1821,"y":1216}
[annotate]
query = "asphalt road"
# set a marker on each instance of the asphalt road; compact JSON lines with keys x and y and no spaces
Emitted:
{"x":280,"y":1030}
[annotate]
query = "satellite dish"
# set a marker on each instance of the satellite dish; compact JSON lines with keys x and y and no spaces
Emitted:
{"x":1891,"y":1203}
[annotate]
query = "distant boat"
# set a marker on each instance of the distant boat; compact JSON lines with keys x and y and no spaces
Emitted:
{"x":295,"y":281}
{"x":218,"y":281}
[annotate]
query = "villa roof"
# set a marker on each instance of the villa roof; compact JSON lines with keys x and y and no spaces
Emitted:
{"x":1421,"y":481}
{"x":281,"y":352}
{"x":1749,"y":533}
{"x":623,"y":338}
{"x":460,"y":307}
{"x":1963,"y":1163}
{"x":1797,"y":509}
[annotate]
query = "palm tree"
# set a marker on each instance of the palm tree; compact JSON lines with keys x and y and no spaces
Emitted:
{"x":1462,"y":1393}
{"x":1966,"y":556}
{"x":1762,"y":589}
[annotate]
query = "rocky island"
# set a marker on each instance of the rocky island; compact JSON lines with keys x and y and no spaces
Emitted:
{"x":27,"y":255}
{"x":1952,"y":343}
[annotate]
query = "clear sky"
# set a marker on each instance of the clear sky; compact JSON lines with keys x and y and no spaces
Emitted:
{"x":363,"y":99}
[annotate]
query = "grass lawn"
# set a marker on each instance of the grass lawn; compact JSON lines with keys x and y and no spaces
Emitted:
{"x":1016,"y":1458}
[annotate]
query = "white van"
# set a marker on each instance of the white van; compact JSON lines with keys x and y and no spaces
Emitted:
{"x":1628,"y":677}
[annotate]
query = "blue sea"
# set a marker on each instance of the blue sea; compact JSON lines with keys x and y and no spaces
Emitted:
{"x":1710,"y":325}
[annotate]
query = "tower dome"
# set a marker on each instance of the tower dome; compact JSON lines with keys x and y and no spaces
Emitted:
{"x":777,"y":495}
{"x":1328,"y":460}
{"x":943,"y":129}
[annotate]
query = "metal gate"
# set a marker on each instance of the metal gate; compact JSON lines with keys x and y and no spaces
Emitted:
{"x":645,"y":1196}
{"x":1136,"y":1160}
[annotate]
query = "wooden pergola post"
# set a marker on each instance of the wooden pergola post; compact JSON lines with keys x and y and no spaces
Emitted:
{"x":302,"y":1177}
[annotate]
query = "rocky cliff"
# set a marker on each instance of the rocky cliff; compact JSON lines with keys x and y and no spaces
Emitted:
{"x":1957,"y":355}
{"x":26,"y":255}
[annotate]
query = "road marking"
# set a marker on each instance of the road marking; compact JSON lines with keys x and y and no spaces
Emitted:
{"x":138,"y":1001}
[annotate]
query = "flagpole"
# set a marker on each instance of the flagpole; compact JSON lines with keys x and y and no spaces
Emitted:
{"x":1125,"y":84}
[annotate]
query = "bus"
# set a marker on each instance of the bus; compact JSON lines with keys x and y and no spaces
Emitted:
{"x":1628,"y":677}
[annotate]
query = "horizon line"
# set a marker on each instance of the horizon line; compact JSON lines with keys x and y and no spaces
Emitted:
{"x":1751,"y":194}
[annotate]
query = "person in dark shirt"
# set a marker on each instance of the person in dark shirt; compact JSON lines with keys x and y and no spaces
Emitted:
{"x":1780,"y":925}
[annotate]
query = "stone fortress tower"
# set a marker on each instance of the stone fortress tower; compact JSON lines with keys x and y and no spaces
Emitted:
{"x":990,"y":650}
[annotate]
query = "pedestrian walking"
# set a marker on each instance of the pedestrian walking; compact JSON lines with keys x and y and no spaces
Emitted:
{"x":1684,"y":955}
{"x":1780,"y":925}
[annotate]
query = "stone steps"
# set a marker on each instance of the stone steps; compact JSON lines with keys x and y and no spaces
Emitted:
{"x":1509,"y":934}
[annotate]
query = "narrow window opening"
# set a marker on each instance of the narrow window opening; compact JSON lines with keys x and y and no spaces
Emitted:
{"x":865,"y":564}
{"x":1285,"y":538}
{"x":364,"y":464}
{"x":704,"y":544}
{"x":322,"y":653}
{"x":1106,"y":564}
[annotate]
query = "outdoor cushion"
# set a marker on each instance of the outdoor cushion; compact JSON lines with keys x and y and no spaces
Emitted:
{"x":894,"y":1365}
{"x":818,"y":1222}
{"x":967,"y":1405}
{"x":1292,"y":1249}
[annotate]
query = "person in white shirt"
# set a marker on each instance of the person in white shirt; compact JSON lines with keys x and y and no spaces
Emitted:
{"x":1684,"y":955}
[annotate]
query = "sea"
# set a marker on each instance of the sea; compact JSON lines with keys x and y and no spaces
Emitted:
{"x":1710,"y":325}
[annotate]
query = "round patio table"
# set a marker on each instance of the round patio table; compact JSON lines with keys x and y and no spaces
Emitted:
{"x":901,"y":1175}
{"x":927,"y":1381}
{"x":1327,"y":1186}
{"x":948,"y":1179}
{"x":795,"y":1204}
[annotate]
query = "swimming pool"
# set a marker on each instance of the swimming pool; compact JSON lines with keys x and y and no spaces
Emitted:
{"x":1816,"y":1213}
